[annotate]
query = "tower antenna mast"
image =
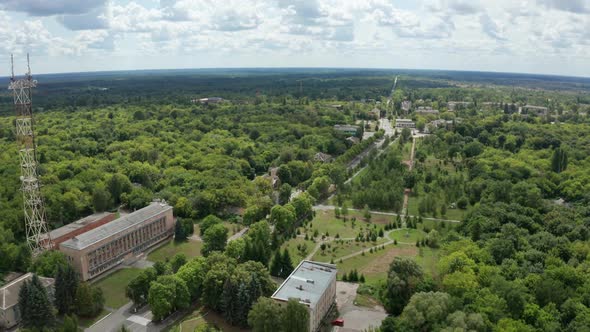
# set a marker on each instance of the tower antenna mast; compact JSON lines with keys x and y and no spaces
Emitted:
{"x":38,"y":238}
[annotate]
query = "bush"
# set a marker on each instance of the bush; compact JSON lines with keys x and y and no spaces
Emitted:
{"x":462,"y":203}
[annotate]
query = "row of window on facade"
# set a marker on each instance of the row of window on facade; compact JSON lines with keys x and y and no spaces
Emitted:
{"x":126,"y":243}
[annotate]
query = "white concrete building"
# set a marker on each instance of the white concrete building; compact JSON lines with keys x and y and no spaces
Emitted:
{"x":312,"y":284}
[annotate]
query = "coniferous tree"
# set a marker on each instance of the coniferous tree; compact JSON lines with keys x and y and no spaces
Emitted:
{"x":243,"y":304}
{"x":66,"y":285}
{"x":559,"y":160}
{"x":34,"y":305}
{"x":286,"y":264}
{"x":228,"y":301}
{"x":179,"y":231}
{"x":276,"y":264}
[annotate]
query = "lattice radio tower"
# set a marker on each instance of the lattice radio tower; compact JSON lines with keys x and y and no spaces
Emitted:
{"x":34,"y":209}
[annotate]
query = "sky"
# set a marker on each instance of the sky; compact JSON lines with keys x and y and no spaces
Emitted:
{"x":534,"y":36}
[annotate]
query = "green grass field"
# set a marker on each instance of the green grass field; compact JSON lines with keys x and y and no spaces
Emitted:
{"x":325,"y":221}
{"x":428,"y":259}
{"x":113,"y":286}
{"x":337,"y":250}
{"x":375,"y":266}
{"x":201,"y":316}
{"x":189,"y":248}
{"x":452,"y":214}
{"x":296,"y":255}
{"x":407,"y":235}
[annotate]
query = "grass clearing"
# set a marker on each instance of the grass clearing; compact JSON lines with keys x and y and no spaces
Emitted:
{"x":428,"y":258}
{"x":201,"y":316}
{"x":113,"y":286}
{"x":375,"y":266}
{"x":407,"y":235}
{"x":325,"y":221}
{"x":337,"y":249}
{"x":296,"y":254}
{"x":190,"y":248}
{"x":452,"y":214}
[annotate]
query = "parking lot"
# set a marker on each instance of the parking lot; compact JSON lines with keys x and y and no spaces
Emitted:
{"x":356,"y":319}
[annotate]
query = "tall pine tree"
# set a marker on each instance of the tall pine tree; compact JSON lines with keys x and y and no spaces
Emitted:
{"x":34,"y":304}
{"x":286,"y":264}
{"x":66,"y":285}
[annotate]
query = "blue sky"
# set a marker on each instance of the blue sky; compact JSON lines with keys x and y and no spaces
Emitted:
{"x":535,"y":36}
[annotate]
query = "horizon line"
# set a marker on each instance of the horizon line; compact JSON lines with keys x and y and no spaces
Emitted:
{"x":303,"y":68}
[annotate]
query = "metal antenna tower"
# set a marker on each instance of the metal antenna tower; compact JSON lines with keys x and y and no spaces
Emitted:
{"x":36,"y":229}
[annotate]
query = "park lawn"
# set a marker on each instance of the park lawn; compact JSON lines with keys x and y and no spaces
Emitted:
{"x":452,"y":214}
{"x":296,"y":255}
{"x":232,"y":228}
{"x":375,"y":266}
{"x":88,"y":322}
{"x":113,"y":286}
{"x":201,"y":316}
{"x":190,"y":248}
{"x":428,"y":259}
{"x":347,"y":247}
{"x":406,"y":150}
{"x":325,"y":221}
{"x":407,"y":235}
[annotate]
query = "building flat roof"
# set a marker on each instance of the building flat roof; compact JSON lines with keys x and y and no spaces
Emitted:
{"x":306,"y":283}
{"x":403,"y":120}
{"x":9,"y":292}
{"x":116,"y":226}
{"x":66,"y":229}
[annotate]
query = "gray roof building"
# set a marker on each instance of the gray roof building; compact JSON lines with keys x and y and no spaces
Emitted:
{"x":9,"y":311}
{"x":313,"y":284}
{"x":117,"y":226}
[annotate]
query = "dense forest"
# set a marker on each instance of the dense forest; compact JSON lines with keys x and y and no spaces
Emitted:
{"x":518,"y":184}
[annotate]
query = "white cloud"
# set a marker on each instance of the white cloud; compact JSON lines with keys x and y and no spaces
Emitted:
{"x":491,"y":27}
{"x":370,"y":32}
{"x":574,"y":6}
{"x":51,"y":7}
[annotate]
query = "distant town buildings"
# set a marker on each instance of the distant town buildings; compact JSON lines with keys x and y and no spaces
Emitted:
{"x":208,"y":100}
{"x":102,"y":248}
{"x":9,"y":310}
{"x":533,"y":110}
{"x":404,"y":123}
{"x":452,"y":105}
{"x":347,"y":129}
{"x":312,"y":284}
{"x":422,"y":110}
{"x":440,"y":123}
{"x":406,"y":105}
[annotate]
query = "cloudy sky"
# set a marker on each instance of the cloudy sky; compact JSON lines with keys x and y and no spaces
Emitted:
{"x":534,"y":36}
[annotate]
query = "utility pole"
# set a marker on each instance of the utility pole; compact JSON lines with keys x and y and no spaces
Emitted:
{"x":34,"y":210}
